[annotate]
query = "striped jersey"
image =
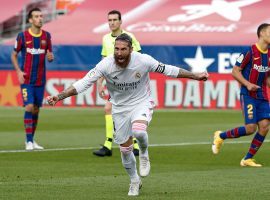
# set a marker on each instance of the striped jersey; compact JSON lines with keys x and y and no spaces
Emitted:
{"x":255,"y":65}
{"x":108,"y":42}
{"x":33,"y":48}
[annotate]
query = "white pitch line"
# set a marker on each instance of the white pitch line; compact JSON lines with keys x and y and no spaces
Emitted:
{"x":151,"y":145}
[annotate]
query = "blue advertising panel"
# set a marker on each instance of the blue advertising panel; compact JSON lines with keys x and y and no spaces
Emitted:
{"x":219,"y":59}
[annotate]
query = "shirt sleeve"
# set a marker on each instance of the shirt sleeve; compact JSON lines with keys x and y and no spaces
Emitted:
{"x":49,"y":41}
{"x":156,"y":66}
{"x":91,"y":77}
{"x":243,"y":59}
{"x":18,"y":43}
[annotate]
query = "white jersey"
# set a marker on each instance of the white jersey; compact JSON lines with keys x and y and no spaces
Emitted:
{"x":127,"y":86}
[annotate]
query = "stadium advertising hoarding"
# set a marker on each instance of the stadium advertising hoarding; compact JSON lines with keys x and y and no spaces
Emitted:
{"x":214,"y":59}
{"x":221,"y":91}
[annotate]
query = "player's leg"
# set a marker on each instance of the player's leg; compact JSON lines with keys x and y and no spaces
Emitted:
{"x":28,"y":125}
{"x":263,"y":112}
{"x":123,"y":137}
{"x":28,"y":100}
{"x":106,"y":149}
{"x":35,"y":115}
{"x":129,"y":163}
{"x":139,"y":128}
{"x":141,"y":118}
{"x":248,"y":109}
{"x":38,"y":100}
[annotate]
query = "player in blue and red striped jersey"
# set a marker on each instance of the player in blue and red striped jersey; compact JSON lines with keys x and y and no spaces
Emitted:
{"x":252,"y":72}
{"x":35,"y":45}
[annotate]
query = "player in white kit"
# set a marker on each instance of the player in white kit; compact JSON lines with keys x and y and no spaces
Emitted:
{"x":127,"y":77}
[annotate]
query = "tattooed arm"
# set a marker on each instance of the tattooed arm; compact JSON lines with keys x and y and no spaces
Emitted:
{"x":52,"y":100}
{"x":172,"y":71}
{"x":79,"y":86}
{"x":191,"y":75}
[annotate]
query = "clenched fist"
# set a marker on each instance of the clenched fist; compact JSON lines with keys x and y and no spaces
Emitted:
{"x":52,"y":100}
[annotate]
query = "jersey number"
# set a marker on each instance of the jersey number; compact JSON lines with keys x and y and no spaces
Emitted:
{"x":24,"y":94}
{"x":250,"y":109}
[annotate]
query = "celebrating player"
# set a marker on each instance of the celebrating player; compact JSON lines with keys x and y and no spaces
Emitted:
{"x":252,"y":72}
{"x":114,"y":21}
{"x":127,"y":76}
{"x":34,"y":45}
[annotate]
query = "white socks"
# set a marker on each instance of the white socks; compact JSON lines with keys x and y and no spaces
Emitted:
{"x":142,"y":139}
{"x":129,"y":163}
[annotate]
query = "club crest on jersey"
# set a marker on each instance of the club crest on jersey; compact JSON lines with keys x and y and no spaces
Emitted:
{"x":43,"y":42}
{"x":240,"y":58}
{"x":137,"y":75}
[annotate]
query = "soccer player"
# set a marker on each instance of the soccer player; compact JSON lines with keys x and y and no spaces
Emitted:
{"x":114,"y":21}
{"x":35,"y":45}
{"x":127,"y":76}
{"x":252,"y":72}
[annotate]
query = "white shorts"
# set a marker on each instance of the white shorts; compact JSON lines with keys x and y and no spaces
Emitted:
{"x":123,"y":120}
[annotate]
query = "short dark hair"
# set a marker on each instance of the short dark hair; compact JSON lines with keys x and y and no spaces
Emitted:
{"x":113,"y":12}
{"x":125,"y":37}
{"x":261,"y":28}
{"x":31,"y":11}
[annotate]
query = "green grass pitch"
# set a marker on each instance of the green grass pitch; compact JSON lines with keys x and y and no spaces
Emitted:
{"x":183,"y":166}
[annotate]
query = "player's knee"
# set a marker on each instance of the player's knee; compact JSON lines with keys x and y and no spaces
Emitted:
{"x":251,"y":128}
{"x":264,"y":127}
{"x":139,"y":129}
{"x":126,"y":150}
{"x":264,"y":130}
{"x":35,"y":110}
{"x":29,"y":107}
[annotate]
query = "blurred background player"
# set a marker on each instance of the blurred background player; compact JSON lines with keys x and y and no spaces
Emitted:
{"x":252,"y":72}
{"x":114,"y":21}
{"x":34,"y":45}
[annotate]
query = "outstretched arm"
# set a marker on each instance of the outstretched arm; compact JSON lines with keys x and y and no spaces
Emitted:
{"x":200,"y":76}
{"x":70,"y":91}
{"x":173,"y":71}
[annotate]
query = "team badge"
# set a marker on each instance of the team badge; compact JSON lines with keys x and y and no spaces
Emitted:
{"x":240,"y":58}
{"x":137,"y":75}
{"x":43,"y":42}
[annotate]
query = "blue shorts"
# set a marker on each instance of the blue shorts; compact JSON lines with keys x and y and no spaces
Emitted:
{"x":32,"y":94}
{"x":254,"y":110}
